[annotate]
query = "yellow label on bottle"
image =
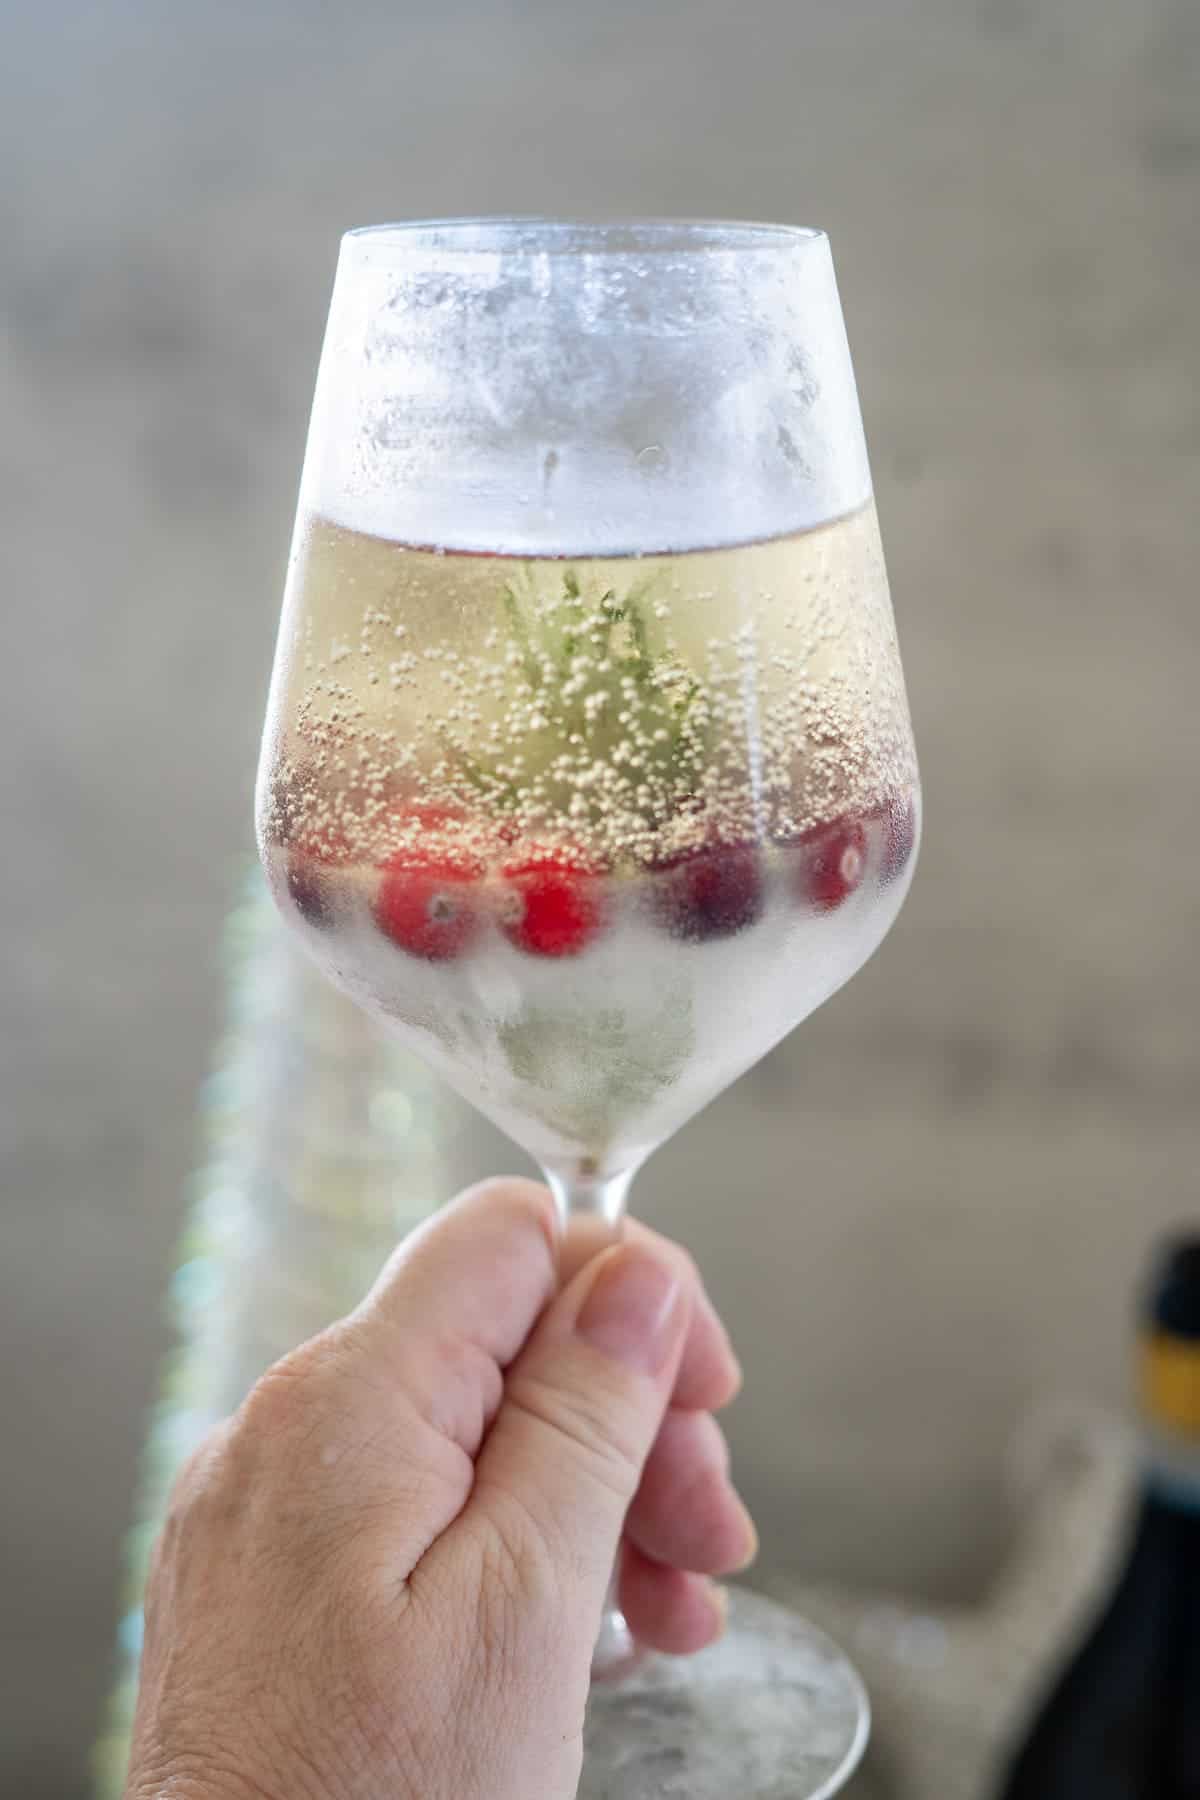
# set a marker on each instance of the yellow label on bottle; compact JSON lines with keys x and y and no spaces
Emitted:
{"x":1170,"y":1381}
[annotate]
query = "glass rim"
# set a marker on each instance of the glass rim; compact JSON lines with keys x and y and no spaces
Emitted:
{"x":542,"y":234}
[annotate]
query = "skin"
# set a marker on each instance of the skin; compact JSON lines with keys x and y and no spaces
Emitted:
{"x":383,"y":1577}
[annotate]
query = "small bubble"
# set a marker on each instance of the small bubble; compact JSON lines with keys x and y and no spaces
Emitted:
{"x":653,"y":460}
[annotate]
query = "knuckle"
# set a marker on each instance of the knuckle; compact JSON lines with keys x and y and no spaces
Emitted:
{"x":526,"y":1572}
{"x":290,"y":1415}
{"x":283,"y":1399}
{"x":592,"y":1420}
{"x":202,"y":1488}
{"x":454,"y":1388}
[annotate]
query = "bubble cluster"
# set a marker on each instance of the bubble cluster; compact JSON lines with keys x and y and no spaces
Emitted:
{"x":631,"y":708}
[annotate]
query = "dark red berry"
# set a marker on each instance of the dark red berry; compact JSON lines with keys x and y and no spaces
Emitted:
{"x":833,"y":861}
{"x":428,"y":903}
{"x":899,"y":834}
{"x":708,"y":893}
{"x":308,"y":890}
{"x":310,"y":877}
{"x":553,"y":903}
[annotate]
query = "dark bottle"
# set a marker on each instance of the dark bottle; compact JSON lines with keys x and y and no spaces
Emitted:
{"x":1123,"y":1721}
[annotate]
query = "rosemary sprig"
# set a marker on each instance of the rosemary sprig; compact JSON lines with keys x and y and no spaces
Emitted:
{"x":520,"y":631}
{"x":490,"y":784}
{"x":596,"y":682}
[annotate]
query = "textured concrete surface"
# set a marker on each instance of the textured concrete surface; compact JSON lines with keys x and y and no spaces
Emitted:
{"x":925,"y":1211}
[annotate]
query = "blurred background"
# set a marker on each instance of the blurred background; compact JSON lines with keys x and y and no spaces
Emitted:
{"x":924,"y":1213}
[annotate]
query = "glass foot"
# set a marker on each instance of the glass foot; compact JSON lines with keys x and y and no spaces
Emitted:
{"x":772,"y":1712}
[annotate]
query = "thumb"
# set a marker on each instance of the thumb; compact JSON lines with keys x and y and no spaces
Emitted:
{"x":582,"y":1407}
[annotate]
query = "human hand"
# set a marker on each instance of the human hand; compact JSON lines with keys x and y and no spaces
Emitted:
{"x":383,"y":1578}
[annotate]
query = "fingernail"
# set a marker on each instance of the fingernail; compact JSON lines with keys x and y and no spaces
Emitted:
{"x":630,"y":1313}
{"x":719,"y":1600}
{"x":718,"y":1322}
{"x":750,"y":1546}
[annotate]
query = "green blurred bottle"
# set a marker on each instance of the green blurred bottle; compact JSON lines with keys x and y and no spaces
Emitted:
{"x":1123,"y":1720}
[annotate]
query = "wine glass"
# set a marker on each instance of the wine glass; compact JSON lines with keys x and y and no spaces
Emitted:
{"x":587,"y":764}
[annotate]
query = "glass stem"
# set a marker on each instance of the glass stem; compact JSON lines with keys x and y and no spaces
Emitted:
{"x":592,"y":1211}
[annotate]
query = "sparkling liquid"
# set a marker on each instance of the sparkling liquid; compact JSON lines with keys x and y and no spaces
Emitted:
{"x":591,"y":834}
